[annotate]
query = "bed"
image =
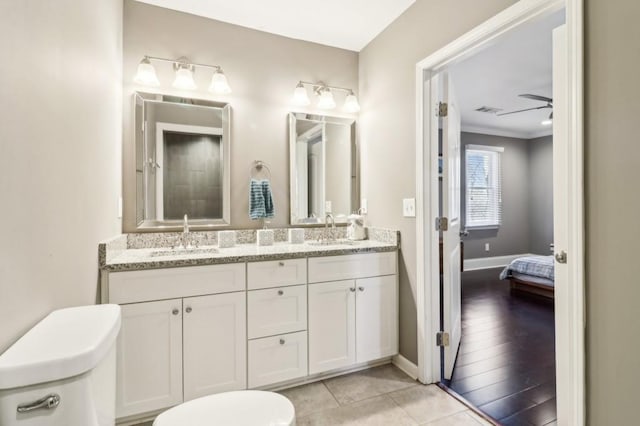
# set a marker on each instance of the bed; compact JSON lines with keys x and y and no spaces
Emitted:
{"x":533,"y":274}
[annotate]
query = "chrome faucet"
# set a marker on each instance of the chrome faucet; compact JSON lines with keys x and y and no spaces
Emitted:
{"x":185,"y":243}
{"x":328,"y":217}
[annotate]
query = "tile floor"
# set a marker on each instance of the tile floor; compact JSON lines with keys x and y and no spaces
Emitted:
{"x":383,"y":396}
{"x":378,"y":396}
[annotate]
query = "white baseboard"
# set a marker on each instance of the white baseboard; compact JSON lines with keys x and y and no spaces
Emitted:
{"x":405,"y":365}
{"x":491,"y":262}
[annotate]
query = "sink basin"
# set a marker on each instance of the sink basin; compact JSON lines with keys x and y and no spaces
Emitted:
{"x":183,"y":251}
{"x":333,"y":243}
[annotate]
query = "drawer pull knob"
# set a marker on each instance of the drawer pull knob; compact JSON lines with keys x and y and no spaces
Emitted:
{"x":175,"y":311}
{"x":280,"y":292}
{"x":353,"y":289}
{"x":282,"y":342}
{"x":280,"y":263}
{"x":361,"y":288}
{"x":188,"y":309}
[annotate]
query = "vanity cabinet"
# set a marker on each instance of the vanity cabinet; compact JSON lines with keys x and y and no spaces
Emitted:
{"x":174,"y":350}
{"x":354,"y":320}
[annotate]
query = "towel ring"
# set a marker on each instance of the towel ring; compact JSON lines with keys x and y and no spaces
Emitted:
{"x":257,"y":167}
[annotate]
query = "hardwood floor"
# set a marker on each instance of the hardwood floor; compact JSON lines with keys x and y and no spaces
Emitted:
{"x":505,"y":365}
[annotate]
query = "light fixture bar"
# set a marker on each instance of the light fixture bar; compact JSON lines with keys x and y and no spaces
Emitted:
{"x":181,"y":62}
{"x":321,"y":85}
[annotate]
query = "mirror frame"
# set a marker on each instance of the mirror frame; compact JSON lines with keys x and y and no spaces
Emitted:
{"x":171,"y":225}
{"x":355,"y":163}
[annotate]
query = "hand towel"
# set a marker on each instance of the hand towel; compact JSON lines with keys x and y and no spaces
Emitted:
{"x":268,"y":199}
{"x":256,"y":200}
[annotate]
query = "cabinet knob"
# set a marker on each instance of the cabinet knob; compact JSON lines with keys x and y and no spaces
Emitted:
{"x":188,"y":309}
{"x":353,"y":289}
{"x":280,"y":263}
{"x":280,"y":292}
{"x":361,"y":288}
{"x":282,"y":342}
{"x":175,"y":311}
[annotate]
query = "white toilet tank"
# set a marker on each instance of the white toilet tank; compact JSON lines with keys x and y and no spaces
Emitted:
{"x":63,"y":371}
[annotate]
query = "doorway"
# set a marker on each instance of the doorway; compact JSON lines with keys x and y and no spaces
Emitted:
{"x":568,"y":214}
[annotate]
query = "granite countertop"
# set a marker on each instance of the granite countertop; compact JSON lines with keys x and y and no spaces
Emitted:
{"x":143,"y":258}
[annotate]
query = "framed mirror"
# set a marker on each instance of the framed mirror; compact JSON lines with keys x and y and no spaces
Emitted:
{"x":323,"y":168}
{"x":182,"y":161}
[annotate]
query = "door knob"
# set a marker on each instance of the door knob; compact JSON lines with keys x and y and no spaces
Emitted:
{"x":561,"y":257}
{"x":282,"y":341}
{"x":361,"y":288}
{"x":352,"y":289}
{"x":280,"y":292}
{"x":188,"y":309}
{"x":175,"y":311}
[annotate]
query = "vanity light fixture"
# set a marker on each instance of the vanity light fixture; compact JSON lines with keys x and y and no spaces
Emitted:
{"x":325,"y":96}
{"x":184,"y":70}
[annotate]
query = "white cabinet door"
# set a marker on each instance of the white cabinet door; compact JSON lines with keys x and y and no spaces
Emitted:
{"x":376,"y":318}
{"x":277,"y":358}
{"x":215,"y":339}
{"x":149,"y":366}
{"x":332,"y":330}
{"x":277,"y":311}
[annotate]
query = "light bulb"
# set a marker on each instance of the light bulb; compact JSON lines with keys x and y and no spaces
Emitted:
{"x":184,"y":79}
{"x":351,"y":103}
{"x":146,"y":74}
{"x":219,"y":83}
{"x":300,"y":96}
{"x":326,"y":99}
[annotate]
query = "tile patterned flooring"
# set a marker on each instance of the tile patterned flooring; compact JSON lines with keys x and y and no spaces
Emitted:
{"x":378,"y":396}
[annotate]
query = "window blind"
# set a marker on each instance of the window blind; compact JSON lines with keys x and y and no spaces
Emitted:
{"x":483,"y":186}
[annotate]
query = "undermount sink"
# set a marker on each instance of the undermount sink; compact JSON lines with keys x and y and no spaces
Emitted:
{"x":183,"y":251}
{"x":333,"y":243}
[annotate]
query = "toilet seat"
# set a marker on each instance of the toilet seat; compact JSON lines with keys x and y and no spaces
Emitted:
{"x":239,"y":408}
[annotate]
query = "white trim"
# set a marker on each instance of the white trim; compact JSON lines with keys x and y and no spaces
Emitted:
{"x":547,"y":131}
{"x":570,"y":369}
{"x":484,"y":148}
{"x":491,"y":262}
{"x":405,"y":365}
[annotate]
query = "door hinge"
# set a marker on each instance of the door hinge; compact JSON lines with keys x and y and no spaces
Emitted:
{"x":442,"y":338}
{"x":443,"y":109}
{"x":442,"y":224}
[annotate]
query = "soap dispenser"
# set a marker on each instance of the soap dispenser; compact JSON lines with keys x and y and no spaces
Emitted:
{"x":355,"y":227}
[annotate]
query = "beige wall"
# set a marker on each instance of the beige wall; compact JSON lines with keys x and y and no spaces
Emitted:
{"x":60,"y":147}
{"x":612,"y":150}
{"x":387,"y":124}
{"x":262,"y":69}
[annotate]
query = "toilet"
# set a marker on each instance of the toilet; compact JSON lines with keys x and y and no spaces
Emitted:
{"x":62,"y":372}
{"x":238,"y":408}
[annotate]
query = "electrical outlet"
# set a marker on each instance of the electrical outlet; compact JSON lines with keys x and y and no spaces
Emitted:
{"x":487,"y":247}
{"x":363,"y":205}
{"x":409,"y":207}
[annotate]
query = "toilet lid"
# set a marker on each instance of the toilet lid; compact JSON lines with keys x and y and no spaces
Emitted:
{"x":240,"y":408}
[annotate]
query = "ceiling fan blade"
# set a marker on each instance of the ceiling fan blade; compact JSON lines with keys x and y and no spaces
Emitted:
{"x":523,"y":110}
{"x":551,"y":115}
{"x":536,"y":97}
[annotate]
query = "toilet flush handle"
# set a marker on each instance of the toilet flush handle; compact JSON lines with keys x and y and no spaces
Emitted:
{"x":48,"y":402}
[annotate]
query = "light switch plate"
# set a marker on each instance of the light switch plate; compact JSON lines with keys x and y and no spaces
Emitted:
{"x":409,"y":207}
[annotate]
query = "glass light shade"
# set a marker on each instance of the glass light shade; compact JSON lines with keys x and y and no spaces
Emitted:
{"x":219,"y":83}
{"x":300,"y":96}
{"x":351,"y":103}
{"x":184,"y":79}
{"x":326,"y":100}
{"x":146,"y":74}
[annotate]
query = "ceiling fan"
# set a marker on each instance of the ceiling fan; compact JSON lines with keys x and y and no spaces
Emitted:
{"x":549,"y":104}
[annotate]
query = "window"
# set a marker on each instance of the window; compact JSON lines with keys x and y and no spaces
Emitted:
{"x":483,"y":186}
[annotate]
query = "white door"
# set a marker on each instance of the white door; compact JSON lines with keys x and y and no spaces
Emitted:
{"x":215,"y":344}
{"x":451,"y":237}
{"x":149,"y":366}
{"x":332,"y":325}
{"x":376,"y":318}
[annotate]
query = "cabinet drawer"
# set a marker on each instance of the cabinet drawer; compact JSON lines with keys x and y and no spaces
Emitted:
{"x":170,"y":283}
{"x":276,"y":273}
{"x":277,"y":310}
{"x":353,"y":266}
{"x":278,"y":358}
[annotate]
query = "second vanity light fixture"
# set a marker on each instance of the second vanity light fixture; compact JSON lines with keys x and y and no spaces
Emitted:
{"x":325,"y":96}
{"x":184,"y":74}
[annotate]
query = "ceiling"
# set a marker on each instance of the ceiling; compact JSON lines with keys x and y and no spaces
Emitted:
{"x":348,"y":24}
{"x":519,"y":62}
